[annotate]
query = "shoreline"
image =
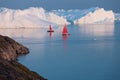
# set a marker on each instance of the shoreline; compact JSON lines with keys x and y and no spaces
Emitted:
{"x":10,"y":68}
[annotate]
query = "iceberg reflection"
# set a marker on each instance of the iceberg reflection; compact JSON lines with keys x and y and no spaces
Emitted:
{"x":26,"y":35}
{"x":82,"y":32}
{"x":97,"y":30}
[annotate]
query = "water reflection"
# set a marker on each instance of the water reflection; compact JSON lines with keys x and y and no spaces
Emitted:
{"x":97,"y":30}
{"x":65,"y":37}
{"x":65,"y":40}
{"x":84,"y":58}
{"x":50,"y":34}
{"x":24,"y":33}
{"x":86,"y":30}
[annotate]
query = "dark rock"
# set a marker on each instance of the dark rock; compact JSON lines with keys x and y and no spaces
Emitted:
{"x":10,"y":49}
{"x":10,"y":69}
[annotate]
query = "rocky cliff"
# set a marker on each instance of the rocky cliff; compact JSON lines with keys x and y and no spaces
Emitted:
{"x":10,"y":69}
{"x":10,"y":49}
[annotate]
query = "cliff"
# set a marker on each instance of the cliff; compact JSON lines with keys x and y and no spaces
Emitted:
{"x":10,"y":49}
{"x":10,"y":69}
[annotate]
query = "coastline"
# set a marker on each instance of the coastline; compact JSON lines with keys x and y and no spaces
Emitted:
{"x":10,"y":69}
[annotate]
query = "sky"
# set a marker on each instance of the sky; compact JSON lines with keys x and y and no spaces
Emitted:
{"x":62,"y":4}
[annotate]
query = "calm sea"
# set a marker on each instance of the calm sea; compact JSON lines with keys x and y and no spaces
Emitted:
{"x":91,"y":52}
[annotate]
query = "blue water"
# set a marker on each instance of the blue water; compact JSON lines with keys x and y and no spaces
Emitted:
{"x":91,"y":52}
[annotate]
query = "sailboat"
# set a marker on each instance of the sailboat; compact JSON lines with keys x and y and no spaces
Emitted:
{"x":50,"y":29}
{"x":65,"y":32}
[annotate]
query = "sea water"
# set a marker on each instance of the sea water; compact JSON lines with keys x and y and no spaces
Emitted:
{"x":90,"y":52}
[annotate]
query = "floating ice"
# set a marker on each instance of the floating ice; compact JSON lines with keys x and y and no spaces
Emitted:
{"x":99,"y":16}
{"x":88,"y":16}
{"x":29,"y":18}
{"x":117,"y":16}
{"x":38,"y":17}
{"x":73,"y":14}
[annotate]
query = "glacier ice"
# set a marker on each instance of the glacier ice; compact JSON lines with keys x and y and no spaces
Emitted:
{"x":37,"y":17}
{"x":29,"y":18}
{"x":73,"y":14}
{"x":88,"y":16}
{"x":117,"y":16}
{"x":99,"y":16}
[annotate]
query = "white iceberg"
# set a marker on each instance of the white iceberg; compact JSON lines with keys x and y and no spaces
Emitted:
{"x":73,"y":14}
{"x":29,"y":18}
{"x":99,"y":16}
{"x":117,"y":16}
{"x":57,"y":19}
{"x":93,"y":15}
{"x":38,"y":17}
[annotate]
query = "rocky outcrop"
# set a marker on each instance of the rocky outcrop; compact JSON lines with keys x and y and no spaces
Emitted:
{"x":10,"y":69}
{"x":10,"y":49}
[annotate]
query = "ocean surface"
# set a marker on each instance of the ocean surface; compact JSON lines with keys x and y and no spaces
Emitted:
{"x":91,"y":52}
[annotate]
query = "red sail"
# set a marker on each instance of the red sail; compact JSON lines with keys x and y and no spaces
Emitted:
{"x":64,"y":30}
{"x":50,"y":28}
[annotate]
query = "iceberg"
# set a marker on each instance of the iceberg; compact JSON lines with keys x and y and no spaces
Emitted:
{"x":37,"y":17}
{"x":99,"y":16}
{"x":73,"y":14}
{"x":117,"y":16}
{"x":29,"y":18}
{"x":93,"y":15}
{"x":57,"y":19}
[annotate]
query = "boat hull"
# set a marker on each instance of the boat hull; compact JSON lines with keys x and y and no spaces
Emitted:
{"x":66,"y":34}
{"x":50,"y":31}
